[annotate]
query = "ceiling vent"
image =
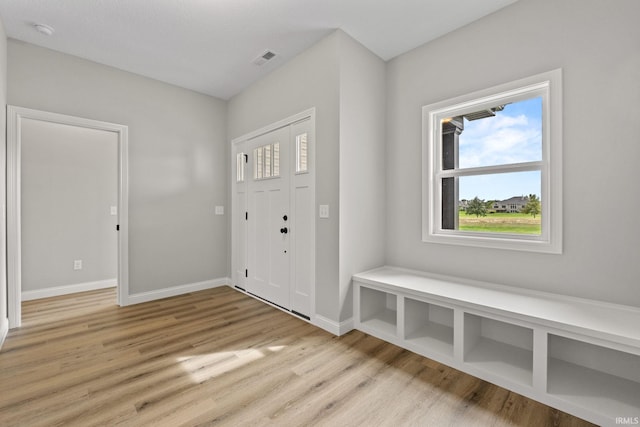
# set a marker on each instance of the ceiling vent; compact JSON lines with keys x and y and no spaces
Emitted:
{"x":264,"y":58}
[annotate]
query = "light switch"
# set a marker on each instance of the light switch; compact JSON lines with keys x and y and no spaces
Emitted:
{"x":324,"y":211}
{"x":219,"y":210}
{"x":114,"y":210}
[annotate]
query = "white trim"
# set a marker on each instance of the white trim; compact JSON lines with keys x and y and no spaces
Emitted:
{"x":68,"y":289}
{"x":14,"y":262}
{"x":333,"y":327}
{"x":547,"y":85}
{"x":4,"y":330}
{"x":310,"y":113}
{"x":177,"y":290}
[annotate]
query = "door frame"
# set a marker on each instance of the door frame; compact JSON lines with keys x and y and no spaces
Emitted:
{"x":14,"y":235}
{"x":309,"y":114}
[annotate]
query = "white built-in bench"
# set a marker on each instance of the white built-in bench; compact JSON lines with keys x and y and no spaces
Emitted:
{"x":577,"y":355}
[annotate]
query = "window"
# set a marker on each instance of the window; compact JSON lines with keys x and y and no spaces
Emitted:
{"x":492,"y":167}
{"x":302,"y":153}
{"x":240,"y":162}
{"x":266,"y":161}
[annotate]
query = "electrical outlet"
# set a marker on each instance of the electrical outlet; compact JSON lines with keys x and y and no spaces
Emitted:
{"x":219,"y":210}
{"x":77,"y":264}
{"x":324,"y":211}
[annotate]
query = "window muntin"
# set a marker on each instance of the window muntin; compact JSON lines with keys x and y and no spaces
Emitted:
{"x":515,"y":132}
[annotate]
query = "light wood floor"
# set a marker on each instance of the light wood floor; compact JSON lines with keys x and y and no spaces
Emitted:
{"x":218,"y":357}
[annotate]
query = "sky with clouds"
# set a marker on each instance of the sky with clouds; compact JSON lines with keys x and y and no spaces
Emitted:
{"x":514,"y":135}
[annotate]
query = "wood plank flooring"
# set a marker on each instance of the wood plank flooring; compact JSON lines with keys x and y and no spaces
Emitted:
{"x":219,"y":357}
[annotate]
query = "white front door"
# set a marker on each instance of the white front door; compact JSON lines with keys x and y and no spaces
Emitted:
{"x":269,"y":217}
{"x":273,"y":223}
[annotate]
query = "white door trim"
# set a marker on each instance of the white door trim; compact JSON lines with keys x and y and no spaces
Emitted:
{"x":14,"y":243}
{"x":306,"y":114}
{"x":309,"y":114}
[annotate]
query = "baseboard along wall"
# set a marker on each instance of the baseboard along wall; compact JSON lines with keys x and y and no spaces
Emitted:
{"x":331,"y":326}
{"x":68,"y":289}
{"x":4,"y":330}
{"x":176,"y":290}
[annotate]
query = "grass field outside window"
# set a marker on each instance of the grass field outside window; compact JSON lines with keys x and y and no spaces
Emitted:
{"x":517,"y":223}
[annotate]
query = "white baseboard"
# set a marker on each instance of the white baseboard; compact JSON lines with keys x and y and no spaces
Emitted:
{"x":4,"y":329}
{"x":68,"y":289}
{"x":176,"y":290}
{"x":332,"y":326}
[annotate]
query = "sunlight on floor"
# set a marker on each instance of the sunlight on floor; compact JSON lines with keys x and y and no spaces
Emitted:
{"x":204,"y":367}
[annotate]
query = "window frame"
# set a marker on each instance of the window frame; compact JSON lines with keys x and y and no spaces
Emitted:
{"x":547,"y":85}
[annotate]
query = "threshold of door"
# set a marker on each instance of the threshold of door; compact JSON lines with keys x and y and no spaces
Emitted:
{"x":303,"y":316}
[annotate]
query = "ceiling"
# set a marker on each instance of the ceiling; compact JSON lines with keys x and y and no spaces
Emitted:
{"x":208,"y":45}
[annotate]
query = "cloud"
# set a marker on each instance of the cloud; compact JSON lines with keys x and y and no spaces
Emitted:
{"x":502,"y":139}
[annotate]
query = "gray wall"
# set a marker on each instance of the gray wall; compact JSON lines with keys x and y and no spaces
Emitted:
{"x":596,"y":45}
{"x":4,"y":321}
{"x":177,"y":153}
{"x":362,"y":169}
{"x":69,"y":181}
{"x":309,"y":80}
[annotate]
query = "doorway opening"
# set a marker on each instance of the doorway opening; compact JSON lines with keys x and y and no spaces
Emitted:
{"x":22,"y":126}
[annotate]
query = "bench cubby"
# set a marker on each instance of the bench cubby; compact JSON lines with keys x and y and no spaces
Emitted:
{"x":379,"y":311}
{"x":592,"y":376}
{"x":500,"y":348}
{"x":577,"y":355}
{"x":428,"y":327}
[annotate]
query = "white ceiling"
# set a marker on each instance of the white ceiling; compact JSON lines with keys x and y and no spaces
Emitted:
{"x":209,"y":45}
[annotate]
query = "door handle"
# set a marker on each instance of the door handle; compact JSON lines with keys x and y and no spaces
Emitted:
{"x":284,"y":230}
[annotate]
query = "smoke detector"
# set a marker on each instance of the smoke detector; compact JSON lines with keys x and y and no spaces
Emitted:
{"x":44,"y":29}
{"x":264,"y":58}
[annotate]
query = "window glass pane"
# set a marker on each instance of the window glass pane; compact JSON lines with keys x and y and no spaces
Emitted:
{"x":276,"y":159}
{"x":267,"y":161}
{"x":500,"y":203}
{"x":510,"y":133}
{"x":301,"y":153}
{"x":240,"y":167}
{"x":258,"y":163}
